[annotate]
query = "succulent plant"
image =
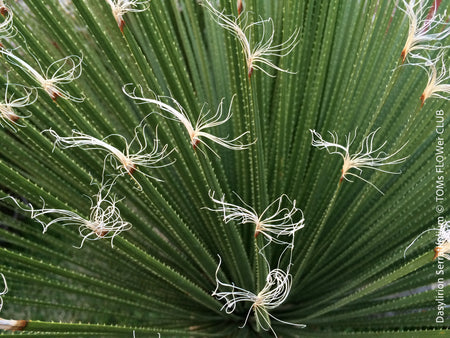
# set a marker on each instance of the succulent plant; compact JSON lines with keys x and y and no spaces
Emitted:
{"x":164,"y":174}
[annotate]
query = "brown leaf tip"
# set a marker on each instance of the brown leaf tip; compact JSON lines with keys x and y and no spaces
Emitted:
{"x":437,"y":251}
{"x":121,"y":23}
{"x":131,"y":168}
{"x":195,"y":143}
{"x":403,"y":55}
{"x":12,"y":325}
{"x":250,"y":72}
{"x":239,"y":7}
{"x":422,"y":99}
